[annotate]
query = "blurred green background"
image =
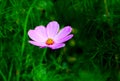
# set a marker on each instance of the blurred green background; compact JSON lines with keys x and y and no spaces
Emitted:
{"x":93,"y":54}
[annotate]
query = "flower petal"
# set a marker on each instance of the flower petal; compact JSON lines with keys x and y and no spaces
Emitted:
{"x":64,"y":32}
{"x":42,"y":33}
{"x":64,"y":39}
{"x":52,"y":29}
{"x":57,"y":46}
{"x":34,"y":36}
{"x":37,"y":43}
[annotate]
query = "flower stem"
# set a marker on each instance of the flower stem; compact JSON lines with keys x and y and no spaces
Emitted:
{"x":43,"y":55}
{"x":106,"y":8}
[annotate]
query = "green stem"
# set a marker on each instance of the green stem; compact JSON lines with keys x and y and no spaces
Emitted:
{"x":25,"y":28}
{"x":106,"y":9}
{"x":3,"y":76}
{"x":43,"y":55}
{"x":10,"y":73}
{"x":24,"y":37}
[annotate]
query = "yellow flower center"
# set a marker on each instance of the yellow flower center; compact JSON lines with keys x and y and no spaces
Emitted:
{"x":49,"y":41}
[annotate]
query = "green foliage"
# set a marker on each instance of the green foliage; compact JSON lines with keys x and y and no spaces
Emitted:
{"x":92,"y":55}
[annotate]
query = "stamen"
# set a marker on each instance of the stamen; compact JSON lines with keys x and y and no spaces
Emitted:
{"x":49,"y":41}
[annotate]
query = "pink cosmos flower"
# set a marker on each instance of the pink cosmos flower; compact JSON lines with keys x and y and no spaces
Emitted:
{"x":50,"y":36}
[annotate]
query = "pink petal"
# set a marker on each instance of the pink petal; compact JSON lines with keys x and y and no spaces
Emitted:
{"x":64,"y":39}
{"x":34,"y":36}
{"x":39,"y":34}
{"x":57,"y":46}
{"x":52,"y":29}
{"x":42,"y":33}
{"x":37,"y":43}
{"x":63,"y":33}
